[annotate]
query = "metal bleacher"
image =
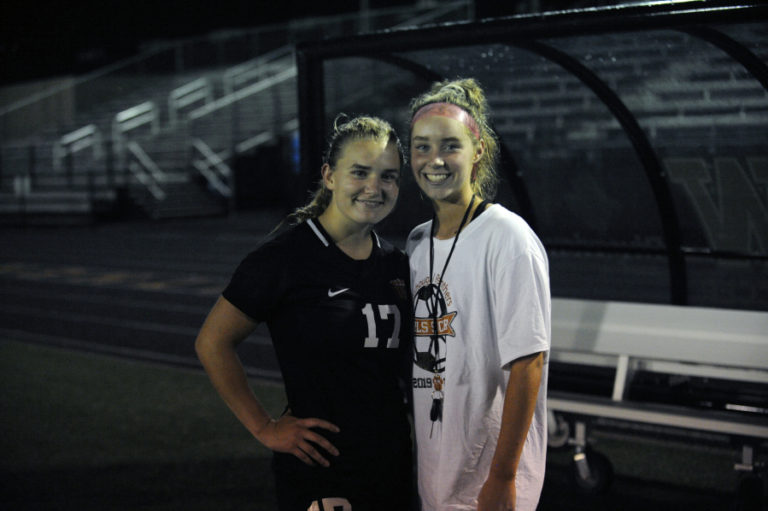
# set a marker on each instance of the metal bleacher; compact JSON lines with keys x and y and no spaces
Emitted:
{"x":157,"y":135}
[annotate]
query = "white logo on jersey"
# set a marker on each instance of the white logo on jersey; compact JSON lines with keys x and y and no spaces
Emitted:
{"x":332,"y":293}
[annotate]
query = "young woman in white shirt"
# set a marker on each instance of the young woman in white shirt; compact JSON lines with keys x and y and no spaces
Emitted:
{"x":480,"y":282}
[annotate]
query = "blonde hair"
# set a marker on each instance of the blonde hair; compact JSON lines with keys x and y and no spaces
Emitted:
{"x":357,"y":128}
{"x":467,"y":94}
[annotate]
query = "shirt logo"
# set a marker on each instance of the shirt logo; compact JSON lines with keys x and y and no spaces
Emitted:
{"x":426,"y":326}
{"x":430,"y":341}
{"x":332,"y":293}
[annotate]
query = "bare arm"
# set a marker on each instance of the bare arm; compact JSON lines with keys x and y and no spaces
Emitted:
{"x":224,"y":328}
{"x":498,"y":492}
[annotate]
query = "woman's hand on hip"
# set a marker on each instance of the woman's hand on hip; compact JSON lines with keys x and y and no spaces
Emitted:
{"x":292,"y":435}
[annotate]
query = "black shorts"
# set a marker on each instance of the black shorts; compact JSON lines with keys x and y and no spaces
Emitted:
{"x":384,"y":484}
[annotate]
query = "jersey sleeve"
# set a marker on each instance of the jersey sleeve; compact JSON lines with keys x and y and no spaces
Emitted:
{"x":522,"y":311}
{"x":256,"y":286}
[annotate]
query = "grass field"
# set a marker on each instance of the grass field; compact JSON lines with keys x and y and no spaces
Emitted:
{"x":86,"y":432}
{"x":82,"y":431}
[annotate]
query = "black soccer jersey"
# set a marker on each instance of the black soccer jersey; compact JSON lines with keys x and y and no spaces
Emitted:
{"x":341,"y":331}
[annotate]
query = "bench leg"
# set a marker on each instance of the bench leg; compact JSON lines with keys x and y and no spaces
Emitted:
{"x":752,"y":491}
{"x":592,"y":471}
{"x":558,"y":430}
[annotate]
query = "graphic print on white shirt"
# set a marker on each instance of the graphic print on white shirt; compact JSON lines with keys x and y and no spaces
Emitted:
{"x":433,"y":325}
{"x":492,"y":307}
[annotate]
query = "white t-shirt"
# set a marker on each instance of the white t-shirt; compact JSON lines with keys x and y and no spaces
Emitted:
{"x":493,"y":307}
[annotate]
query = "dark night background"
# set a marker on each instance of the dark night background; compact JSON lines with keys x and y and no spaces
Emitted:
{"x":46,"y":38}
{"x":42,"y":39}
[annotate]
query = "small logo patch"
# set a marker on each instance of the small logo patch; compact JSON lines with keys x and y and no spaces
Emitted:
{"x":399,"y":286}
{"x":332,"y":293}
{"x":426,"y":326}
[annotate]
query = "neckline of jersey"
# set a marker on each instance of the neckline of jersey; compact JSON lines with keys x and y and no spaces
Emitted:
{"x":330,"y":244}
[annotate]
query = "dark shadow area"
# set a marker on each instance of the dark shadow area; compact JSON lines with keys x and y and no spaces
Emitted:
{"x":223,"y":485}
{"x":628,"y":494}
{"x":248,"y":484}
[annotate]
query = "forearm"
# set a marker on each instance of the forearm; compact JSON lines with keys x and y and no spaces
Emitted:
{"x":228,"y":377}
{"x":287,"y":434}
{"x":223,"y":329}
{"x":519,"y":405}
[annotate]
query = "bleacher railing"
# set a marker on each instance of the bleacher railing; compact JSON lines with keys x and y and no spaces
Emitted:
{"x":44,"y":111}
{"x":169,"y":84}
{"x":146,"y":171}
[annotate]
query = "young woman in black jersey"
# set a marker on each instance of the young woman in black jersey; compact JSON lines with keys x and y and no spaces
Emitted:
{"x":335,"y":298}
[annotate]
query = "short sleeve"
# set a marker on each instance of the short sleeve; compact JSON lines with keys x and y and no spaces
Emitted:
{"x":523,"y":304}
{"x":256,"y":286}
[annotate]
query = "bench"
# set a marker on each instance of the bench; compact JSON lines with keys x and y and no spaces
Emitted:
{"x":727,"y":345}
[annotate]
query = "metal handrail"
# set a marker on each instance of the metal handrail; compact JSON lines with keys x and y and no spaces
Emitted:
{"x":130,"y":119}
{"x":219,"y":181}
{"x":241,"y":73}
{"x":238,"y":76}
{"x":146,"y":171}
{"x":75,"y":141}
{"x":136,"y":150}
{"x":242,"y":93}
{"x":165,"y":46}
{"x":136,"y":116}
{"x":188,"y":94}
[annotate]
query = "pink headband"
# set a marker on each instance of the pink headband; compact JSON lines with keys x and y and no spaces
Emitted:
{"x":448,"y":110}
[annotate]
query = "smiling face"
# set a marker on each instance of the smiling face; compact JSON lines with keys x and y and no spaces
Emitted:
{"x":442,"y":157}
{"x":365,"y":182}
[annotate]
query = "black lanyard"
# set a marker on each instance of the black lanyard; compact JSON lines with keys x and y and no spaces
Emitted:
{"x":436,"y":412}
{"x":445,"y":266}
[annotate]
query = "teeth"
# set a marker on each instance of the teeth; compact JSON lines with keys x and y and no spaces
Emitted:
{"x":436,"y":178}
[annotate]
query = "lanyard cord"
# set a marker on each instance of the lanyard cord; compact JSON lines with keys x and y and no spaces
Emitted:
{"x":435,"y":334}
